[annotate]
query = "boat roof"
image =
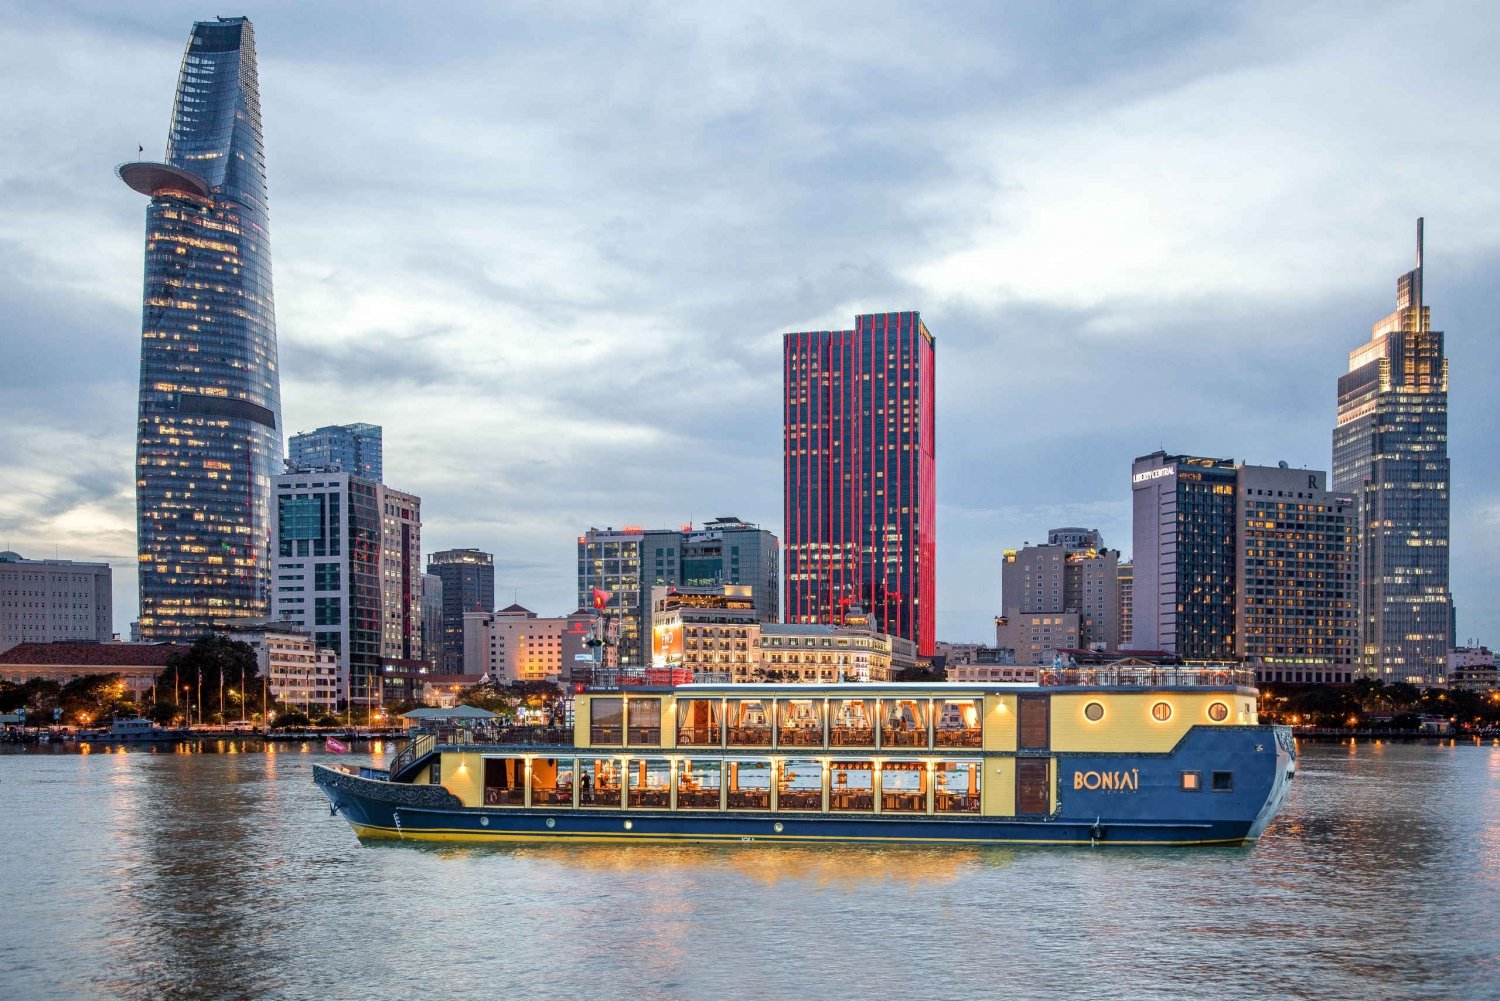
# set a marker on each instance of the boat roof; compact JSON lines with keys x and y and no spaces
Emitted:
{"x":457,"y":712}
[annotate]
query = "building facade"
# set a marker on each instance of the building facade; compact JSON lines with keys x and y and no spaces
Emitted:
{"x":1472,"y":668}
{"x":1125,"y":575}
{"x":138,"y":664}
{"x":514,"y":644}
{"x":349,"y":448}
{"x":432,"y":619}
{"x":628,"y":563}
{"x":1295,"y":593}
{"x":209,"y":426}
{"x":1185,"y":563}
{"x":1073,"y":574}
{"x":1390,"y":453}
{"x":348,"y":557}
{"x":46,"y":601}
{"x":1240,"y":563}
{"x":860,"y":474}
{"x":468,"y":577}
{"x":299,"y":674}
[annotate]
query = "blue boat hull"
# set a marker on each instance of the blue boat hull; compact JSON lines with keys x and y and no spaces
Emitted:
{"x":1149,"y":807}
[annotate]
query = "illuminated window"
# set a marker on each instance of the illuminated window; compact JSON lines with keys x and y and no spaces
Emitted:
{"x":1192,"y":781}
{"x":1093,"y":712}
{"x":1161,"y":712}
{"x":1218,"y":712}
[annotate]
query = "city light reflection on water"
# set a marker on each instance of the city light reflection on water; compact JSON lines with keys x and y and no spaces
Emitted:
{"x":211,"y":871}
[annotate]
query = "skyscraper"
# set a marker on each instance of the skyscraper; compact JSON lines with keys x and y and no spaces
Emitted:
{"x":861,"y":480}
{"x":351,"y":448}
{"x":1184,"y":541}
{"x":468,"y":577}
{"x":1390,"y":452}
{"x":208,"y":434}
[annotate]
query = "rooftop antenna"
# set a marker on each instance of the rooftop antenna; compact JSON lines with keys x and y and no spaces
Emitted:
{"x":1417,"y":278}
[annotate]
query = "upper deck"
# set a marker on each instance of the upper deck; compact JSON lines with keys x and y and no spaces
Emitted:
{"x":1108,"y":709}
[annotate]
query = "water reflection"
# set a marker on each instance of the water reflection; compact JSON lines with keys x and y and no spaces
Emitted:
{"x":213,"y":872}
{"x":827,"y":866}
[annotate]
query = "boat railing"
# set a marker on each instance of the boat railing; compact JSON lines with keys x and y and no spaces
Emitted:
{"x":415,"y":748}
{"x":1164,"y":676}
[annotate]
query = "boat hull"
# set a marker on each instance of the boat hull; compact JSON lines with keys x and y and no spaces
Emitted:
{"x":1150,"y":808}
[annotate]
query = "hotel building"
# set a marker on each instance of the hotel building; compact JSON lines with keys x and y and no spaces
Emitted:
{"x":514,"y":644}
{"x":1068,"y":588}
{"x":1390,"y":453}
{"x":209,"y":421}
{"x":1243,"y":563}
{"x":860,"y":475}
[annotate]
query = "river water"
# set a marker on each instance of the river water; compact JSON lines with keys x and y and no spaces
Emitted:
{"x":222,"y":875}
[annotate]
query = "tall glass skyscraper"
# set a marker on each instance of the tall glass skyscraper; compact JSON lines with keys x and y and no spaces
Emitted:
{"x":208,"y":437}
{"x":861,"y":483}
{"x":1390,"y":452}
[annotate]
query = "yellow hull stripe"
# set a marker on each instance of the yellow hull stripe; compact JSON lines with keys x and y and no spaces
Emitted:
{"x":373,"y":832}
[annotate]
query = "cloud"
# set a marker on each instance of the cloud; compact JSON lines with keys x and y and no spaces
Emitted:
{"x":552,"y":250}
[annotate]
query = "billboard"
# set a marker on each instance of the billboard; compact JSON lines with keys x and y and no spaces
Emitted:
{"x":666,"y":644}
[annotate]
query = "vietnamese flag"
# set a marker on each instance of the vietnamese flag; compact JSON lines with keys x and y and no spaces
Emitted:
{"x":601,"y":599}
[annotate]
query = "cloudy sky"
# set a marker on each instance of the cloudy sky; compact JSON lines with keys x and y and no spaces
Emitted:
{"x":552,"y":248}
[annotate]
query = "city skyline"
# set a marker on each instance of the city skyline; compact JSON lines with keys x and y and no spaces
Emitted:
{"x":1006,"y":233}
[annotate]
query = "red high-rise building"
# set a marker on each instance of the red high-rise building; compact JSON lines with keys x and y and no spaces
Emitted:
{"x":861,"y":483}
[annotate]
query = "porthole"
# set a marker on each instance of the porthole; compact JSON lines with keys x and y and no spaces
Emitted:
{"x":1218,"y":712}
{"x":551,"y":822}
{"x":484,"y":821}
{"x":776,"y":827}
{"x":628,"y":825}
{"x":1161,"y":712}
{"x":1093,"y":712}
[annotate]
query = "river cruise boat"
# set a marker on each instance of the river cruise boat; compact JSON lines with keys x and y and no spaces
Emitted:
{"x":1143,"y":756}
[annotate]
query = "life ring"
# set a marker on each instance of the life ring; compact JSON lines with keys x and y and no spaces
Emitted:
{"x":1049,"y":679}
{"x":1221,"y":678}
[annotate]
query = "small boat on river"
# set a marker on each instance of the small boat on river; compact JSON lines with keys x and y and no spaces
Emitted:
{"x":1117,"y":756}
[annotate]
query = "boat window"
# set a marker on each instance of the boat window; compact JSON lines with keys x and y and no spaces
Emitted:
{"x":748,"y":785}
{"x":903,"y":722}
{"x":903,"y":787}
{"x":1218,"y":712}
{"x":852,"y":722}
{"x":800,"y":785}
{"x":698,"y":721}
{"x":645,"y":720}
{"x":956,"y":786}
{"x":504,"y":781}
{"x":749,"y":723}
{"x":1161,"y":712}
{"x":650,"y":783}
{"x":598,"y":782}
{"x":957,"y":723}
{"x":1223,"y":781}
{"x":1093,"y":712}
{"x":1192,"y":781}
{"x":698,"y":783}
{"x":606,"y":720}
{"x":851,"y":786}
{"x":551,"y":781}
{"x":799,"y":723}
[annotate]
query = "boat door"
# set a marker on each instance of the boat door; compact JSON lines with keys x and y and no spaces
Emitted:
{"x":1033,"y":779}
